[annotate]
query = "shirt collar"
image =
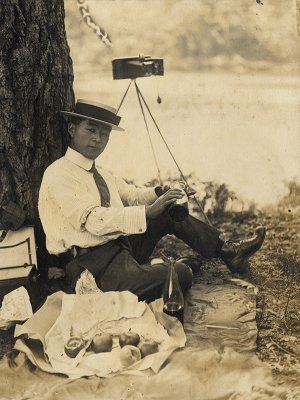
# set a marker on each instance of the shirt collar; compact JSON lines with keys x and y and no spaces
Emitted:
{"x":78,"y":159}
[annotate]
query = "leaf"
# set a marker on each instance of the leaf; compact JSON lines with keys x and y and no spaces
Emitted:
{"x":244,"y":284}
{"x":270,"y":311}
{"x":268,"y":345}
{"x":288,"y":338}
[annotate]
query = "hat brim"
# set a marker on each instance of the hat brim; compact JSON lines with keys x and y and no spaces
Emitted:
{"x":72,"y":114}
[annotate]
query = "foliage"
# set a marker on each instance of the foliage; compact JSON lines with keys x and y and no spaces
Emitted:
{"x":292,"y":199}
{"x":216,"y":199}
{"x":189,"y":34}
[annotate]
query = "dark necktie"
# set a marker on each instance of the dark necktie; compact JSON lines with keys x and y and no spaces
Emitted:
{"x":102,"y":187}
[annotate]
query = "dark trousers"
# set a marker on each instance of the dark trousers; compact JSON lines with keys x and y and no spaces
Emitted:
{"x":121,"y":264}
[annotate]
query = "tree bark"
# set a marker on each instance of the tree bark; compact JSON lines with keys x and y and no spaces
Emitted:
{"x":36,"y":78}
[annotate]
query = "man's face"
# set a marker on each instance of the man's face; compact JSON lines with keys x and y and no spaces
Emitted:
{"x":89,"y":138}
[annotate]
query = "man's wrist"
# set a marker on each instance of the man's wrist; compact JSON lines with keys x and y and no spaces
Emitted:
{"x":148,"y":212}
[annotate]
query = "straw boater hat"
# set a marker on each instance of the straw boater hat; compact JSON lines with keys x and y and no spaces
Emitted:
{"x":96,"y":112}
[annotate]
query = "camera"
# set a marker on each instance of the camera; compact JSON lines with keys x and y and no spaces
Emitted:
{"x":137,"y":67}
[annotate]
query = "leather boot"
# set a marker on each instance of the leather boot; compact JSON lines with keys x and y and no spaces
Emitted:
{"x":236,"y":254}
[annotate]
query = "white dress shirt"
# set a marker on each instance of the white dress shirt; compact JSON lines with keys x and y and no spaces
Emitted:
{"x":70,"y":205}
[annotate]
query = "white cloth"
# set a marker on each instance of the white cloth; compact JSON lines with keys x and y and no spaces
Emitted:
{"x":89,"y":314}
{"x":70,"y":206}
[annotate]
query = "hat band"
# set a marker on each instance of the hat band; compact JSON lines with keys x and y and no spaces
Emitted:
{"x":91,"y":111}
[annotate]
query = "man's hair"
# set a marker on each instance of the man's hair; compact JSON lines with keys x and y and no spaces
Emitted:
{"x":75,"y":120}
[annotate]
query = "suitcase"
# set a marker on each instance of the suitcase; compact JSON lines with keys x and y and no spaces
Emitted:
{"x":18,"y":264}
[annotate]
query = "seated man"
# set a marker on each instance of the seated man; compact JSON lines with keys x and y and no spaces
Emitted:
{"x":111,"y":227}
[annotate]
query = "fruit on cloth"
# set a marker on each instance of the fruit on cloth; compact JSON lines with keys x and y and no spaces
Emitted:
{"x":102,"y":342}
{"x":147,"y":346}
{"x":73,"y":346}
{"x":129,"y":338}
{"x":129,"y":355}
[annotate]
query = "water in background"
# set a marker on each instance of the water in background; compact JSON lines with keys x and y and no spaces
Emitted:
{"x":242,"y":130}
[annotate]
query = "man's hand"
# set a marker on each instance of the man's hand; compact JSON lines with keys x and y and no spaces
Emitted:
{"x":162,"y":203}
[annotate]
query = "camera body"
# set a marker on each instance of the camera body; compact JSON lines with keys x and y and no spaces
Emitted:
{"x":137,"y":67}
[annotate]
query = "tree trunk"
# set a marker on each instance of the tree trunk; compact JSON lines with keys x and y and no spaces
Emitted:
{"x":36,"y":79}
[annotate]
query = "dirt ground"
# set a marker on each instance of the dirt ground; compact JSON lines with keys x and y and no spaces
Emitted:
{"x":275,"y":270}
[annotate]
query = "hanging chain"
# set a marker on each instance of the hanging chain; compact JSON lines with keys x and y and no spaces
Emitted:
{"x":101,"y":33}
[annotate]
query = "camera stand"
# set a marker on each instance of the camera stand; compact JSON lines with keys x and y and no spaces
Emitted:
{"x":142,"y":102}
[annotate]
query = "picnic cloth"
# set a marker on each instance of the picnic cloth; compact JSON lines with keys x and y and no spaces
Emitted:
{"x":42,"y":337}
{"x":217,"y":363}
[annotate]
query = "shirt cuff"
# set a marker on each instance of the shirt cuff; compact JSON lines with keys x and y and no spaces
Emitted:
{"x":135,"y":220}
{"x":85,"y":216}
